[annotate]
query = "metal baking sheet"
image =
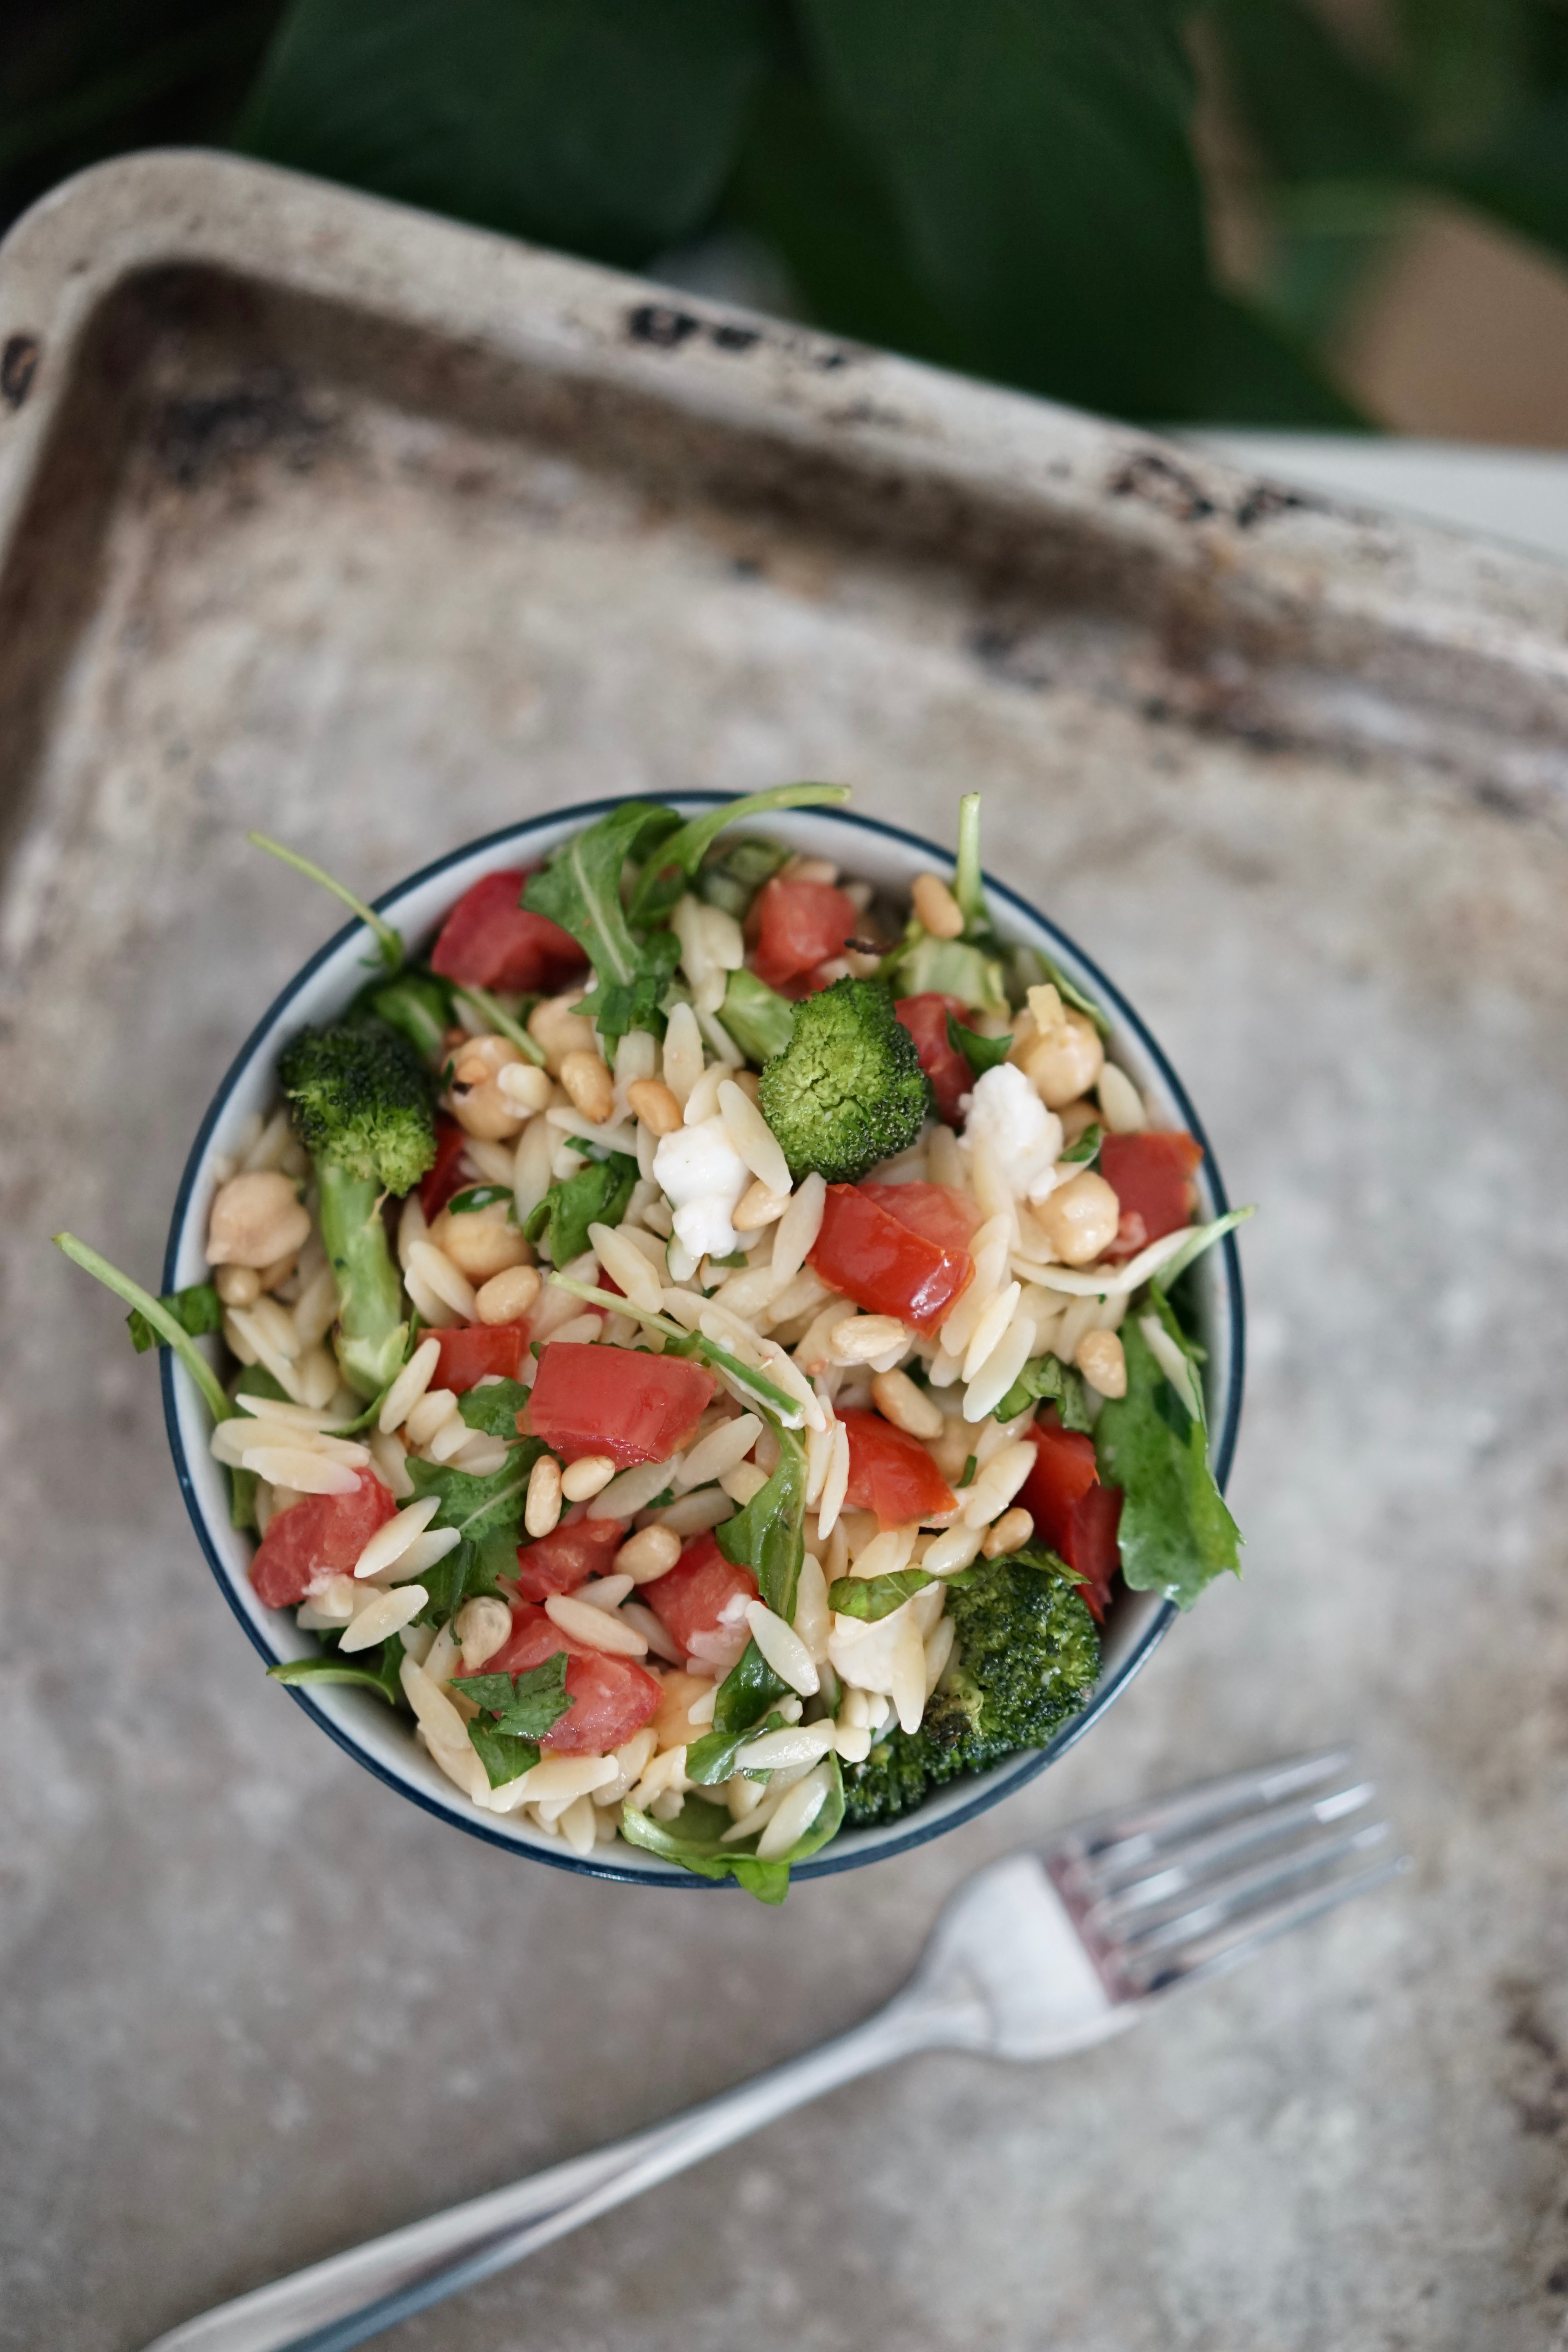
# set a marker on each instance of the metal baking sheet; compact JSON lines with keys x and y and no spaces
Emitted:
{"x":376,"y":532}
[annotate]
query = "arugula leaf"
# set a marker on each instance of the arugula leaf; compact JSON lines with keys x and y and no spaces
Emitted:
{"x":741,"y":1701}
{"x":1087,"y":1147}
{"x":769,"y":1534}
{"x":597,"y":1195}
{"x":503,"y":1758}
{"x":968,"y":886}
{"x":731,"y":877}
{"x":617,"y":1006}
{"x":695,"y":1840}
{"x":1047,"y":1378}
{"x":664,"y":876}
{"x":479,"y":1508}
{"x":376,"y":1670}
{"x":479,"y":1196}
{"x":526,"y":1707}
{"x":710,"y":1760}
{"x":757,"y":1018}
{"x":871,"y":1598}
{"x":980,"y":1052}
{"x":494,"y":1407}
{"x":468,"y":1569}
{"x":580,"y":888}
{"x":196,"y":1310}
{"x":1176,"y":1534}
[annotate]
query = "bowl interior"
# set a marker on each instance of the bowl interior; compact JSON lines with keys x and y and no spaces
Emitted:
{"x":360,"y":1723}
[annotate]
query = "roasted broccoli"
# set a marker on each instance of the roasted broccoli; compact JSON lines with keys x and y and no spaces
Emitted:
{"x":361,"y":1107}
{"x":1025,"y":1658}
{"x":848,"y":1088}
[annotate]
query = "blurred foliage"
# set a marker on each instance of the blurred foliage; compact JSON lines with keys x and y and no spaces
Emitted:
{"x":1005,"y":186}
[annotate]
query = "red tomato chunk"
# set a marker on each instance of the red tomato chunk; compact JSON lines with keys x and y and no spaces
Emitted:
{"x":470,"y":1350}
{"x":1150,"y":1176}
{"x":611,"y":1697}
{"x":869,"y":1253}
{"x":925,"y":1018}
{"x":616,"y":1401}
{"x":938,"y":1213}
{"x":891,"y":1474}
{"x":1074,"y":1515}
{"x":568,"y":1556}
{"x":322,"y":1536}
{"x":489,"y":940}
{"x":444,"y":1176}
{"x":795,"y":926}
{"x":693,"y":1596}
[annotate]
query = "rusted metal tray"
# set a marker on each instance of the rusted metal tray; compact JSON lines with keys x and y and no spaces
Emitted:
{"x":376,"y":532}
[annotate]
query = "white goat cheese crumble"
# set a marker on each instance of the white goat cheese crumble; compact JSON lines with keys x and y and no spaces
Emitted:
{"x":1026,"y":1138}
{"x":703,"y":1176}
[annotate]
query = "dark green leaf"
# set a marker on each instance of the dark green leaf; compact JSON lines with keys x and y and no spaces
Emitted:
{"x":734,"y":871}
{"x":418,"y":1006}
{"x":768,"y":1537}
{"x":503,"y":1757}
{"x":1046,"y":1380}
{"x":606,"y":126}
{"x":759,"y":1020}
{"x":493,"y":1407}
{"x":468,"y":1569}
{"x":478,"y":1507}
{"x":526,"y":1705}
{"x":1312,"y":107}
{"x":197,"y":1310}
{"x":1521,"y":174}
{"x":1176,"y":1534}
{"x":376,"y":1670}
{"x":980,"y":1052}
{"x":580,"y":888}
{"x":479,"y":1196}
{"x":597,"y":1195}
{"x":711,"y":1760}
{"x":1086,"y":1151}
{"x":872,"y":1598}
{"x":616,"y":1006}
{"x":667,"y":873}
{"x":695,"y":1840}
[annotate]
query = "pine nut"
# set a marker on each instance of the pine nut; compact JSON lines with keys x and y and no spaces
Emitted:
{"x":652,"y":1551}
{"x":588,"y":1084}
{"x":651,"y":1100}
{"x":1011,"y":1533}
{"x":526,"y":1086}
{"x":1102,"y":1361}
{"x":542,"y":1504}
{"x":760,"y":1206}
{"x":506,"y":1297}
{"x":589,"y":1475}
{"x":897,"y":1399}
{"x":860,"y":1337}
{"x":237,"y":1286}
{"x":936,"y":908}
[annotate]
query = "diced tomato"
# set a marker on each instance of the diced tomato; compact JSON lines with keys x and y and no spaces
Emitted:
{"x":1074,"y":1515}
{"x":793,"y":926}
{"x":1151,"y":1175}
{"x":568,"y":1556}
{"x":891,"y":1474}
{"x":616,"y":1401}
{"x":322,"y":1536}
{"x":444,"y":1176}
{"x":939,"y":1212}
{"x":490,"y":941}
{"x":470,"y":1350}
{"x":925,"y":1018}
{"x":874,"y":1257}
{"x":694,"y":1598}
{"x":611,"y":1697}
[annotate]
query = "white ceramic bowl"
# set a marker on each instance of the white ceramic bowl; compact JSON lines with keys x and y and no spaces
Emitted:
{"x":383,"y":1741}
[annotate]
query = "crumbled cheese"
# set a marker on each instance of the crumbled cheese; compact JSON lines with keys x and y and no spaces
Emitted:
{"x":1024,"y":1137}
{"x":702,"y":1177}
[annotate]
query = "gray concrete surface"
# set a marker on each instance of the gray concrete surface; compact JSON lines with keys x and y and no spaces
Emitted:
{"x":254,"y":2006}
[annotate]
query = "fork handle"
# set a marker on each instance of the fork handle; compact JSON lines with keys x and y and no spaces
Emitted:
{"x":351,"y":2296}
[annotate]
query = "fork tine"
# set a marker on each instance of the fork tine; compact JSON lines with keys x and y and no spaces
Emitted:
{"x":1233,"y":1896}
{"x":1214,"y":1957}
{"x":1114,"y":1894}
{"x":1143,"y":1829}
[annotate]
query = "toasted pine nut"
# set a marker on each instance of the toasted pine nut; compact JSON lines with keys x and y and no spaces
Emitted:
{"x":897,"y":1399}
{"x":760,"y":1206}
{"x":506,"y":1297}
{"x":651,"y":1552}
{"x":589,"y":1085}
{"x":651,"y":1100}
{"x":586,"y":1477}
{"x":1011,"y":1533}
{"x":860,"y":1337}
{"x":936,"y":907}
{"x":237,"y":1286}
{"x":542,"y":1504}
{"x":1102,"y":1360}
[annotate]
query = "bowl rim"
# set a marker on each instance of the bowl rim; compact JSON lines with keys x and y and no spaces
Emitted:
{"x":989,"y":1788}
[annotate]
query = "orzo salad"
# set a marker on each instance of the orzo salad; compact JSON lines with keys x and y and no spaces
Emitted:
{"x":706,"y":1339}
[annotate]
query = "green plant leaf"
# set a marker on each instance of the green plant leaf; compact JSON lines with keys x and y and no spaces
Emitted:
{"x":980,"y":1052}
{"x":872,"y":1598}
{"x":1086,"y":1151}
{"x":525,"y":1706}
{"x":757,"y":1018}
{"x":695,"y":1840}
{"x":1046,"y":1380}
{"x":374,"y":1670}
{"x":768,"y":1536}
{"x":478,"y":1507}
{"x":197,"y":1310}
{"x":1176,"y":1534}
{"x":664,"y":876}
{"x":710,"y":1760}
{"x":1312,"y":107}
{"x":597,"y":1195}
{"x":606,"y":126}
{"x":493,"y":1407}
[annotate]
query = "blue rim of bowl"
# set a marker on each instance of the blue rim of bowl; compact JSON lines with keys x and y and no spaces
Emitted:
{"x":827,"y":1863}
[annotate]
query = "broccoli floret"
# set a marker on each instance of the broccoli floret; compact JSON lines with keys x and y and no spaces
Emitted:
{"x":848,"y":1088}
{"x":1025,"y":1655}
{"x":361,"y":1107}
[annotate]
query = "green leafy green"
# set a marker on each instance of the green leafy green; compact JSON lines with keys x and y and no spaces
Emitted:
{"x":923,"y":965}
{"x":417,"y":1005}
{"x":469,"y":1568}
{"x":667,"y":872}
{"x":1199,"y":1238}
{"x":597,"y":1195}
{"x":871,"y":1598}
{"x":580,"y":888}
{"x":757,"y":1018}
{"x":1082,"y":1153}
{"x":739,"y":1706}
{"x":980,"y":1052}
{"x":503,"y":1757}
{"x":376,"y":1670}
{"x":734,"y":871}
{"x":479,"y":1196}
{"x":711,"y":1760}
{"x":168,"y":1328}
{"x":478,"y":1507}
{"x":968,"y":882}
{"x":256,"y":1380}
{"x":695,"y":1840}
{"x":493,"y":1406}
{"x":768,"y":1536}
{"x":524,"y":1706}
{"x":1046,"y":1380}
{"x":618,"y":1006}
{"x":197,"y":1310}
{"x":1176,"y":1534}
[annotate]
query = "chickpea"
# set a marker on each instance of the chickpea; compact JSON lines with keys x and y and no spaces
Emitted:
{"x":1079,"y":1218}
{"x":1064,"y":1060}
{"x":507,"y":1296}
{"x":479,"y":1104}
{"x":1102,"y":1360}
{"x":480,"y":1242}
{"x":558,"y":1029}
{"x":257,"y":1218}
{"x":482,"y":1624}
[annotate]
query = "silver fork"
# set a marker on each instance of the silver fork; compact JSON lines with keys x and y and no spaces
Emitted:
{"x":1044,"y":1953}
